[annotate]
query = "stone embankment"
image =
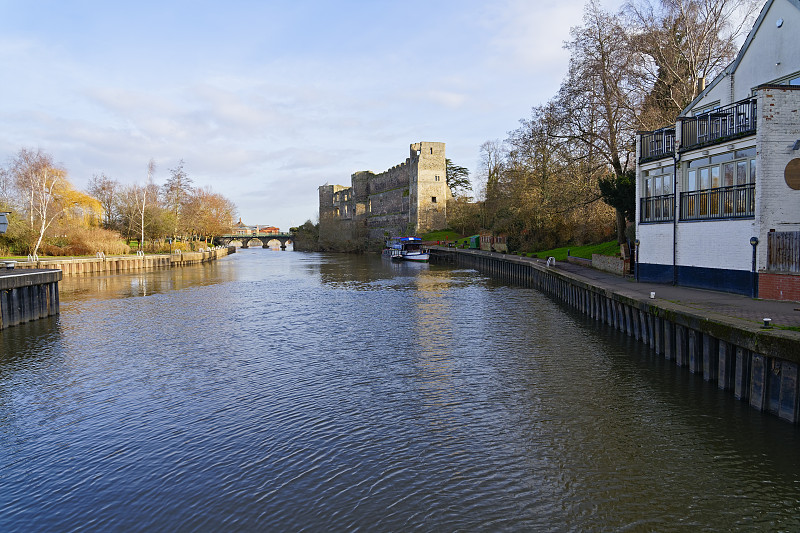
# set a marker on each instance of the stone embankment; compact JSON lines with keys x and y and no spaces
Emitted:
{"x":30,"y":290}
{"x":717,"y":335}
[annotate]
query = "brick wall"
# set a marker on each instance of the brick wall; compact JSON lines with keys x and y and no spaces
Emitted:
{"x":777,"y":205}
{"x":772,"y":286}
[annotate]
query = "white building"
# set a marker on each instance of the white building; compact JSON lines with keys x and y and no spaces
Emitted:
{"x":733,"y":160}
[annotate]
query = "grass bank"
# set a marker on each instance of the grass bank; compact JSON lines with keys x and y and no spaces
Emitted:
{"x":586,"y":251}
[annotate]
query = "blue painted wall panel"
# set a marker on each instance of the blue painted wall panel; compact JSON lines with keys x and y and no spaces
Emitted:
{"x":718,"y":279}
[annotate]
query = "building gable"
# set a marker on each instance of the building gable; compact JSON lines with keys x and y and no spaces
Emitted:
{"x":769,"y":55}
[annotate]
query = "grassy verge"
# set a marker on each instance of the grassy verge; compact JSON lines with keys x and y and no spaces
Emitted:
{"x":442,"y":235}
{"x":586,"y":251}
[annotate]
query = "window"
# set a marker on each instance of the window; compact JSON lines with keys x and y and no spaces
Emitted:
{"x":707,"y":108}
{"x":657,"y":201}
{"x":721,"y":186}
{"x":433,"y":199}
{"x":437,"y":178}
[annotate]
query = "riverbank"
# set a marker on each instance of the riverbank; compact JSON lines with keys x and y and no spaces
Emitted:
{"x":718,"y":335}
{"x":72,"y":266}
{"x":30,"y":290}
{"x":27,"y":295}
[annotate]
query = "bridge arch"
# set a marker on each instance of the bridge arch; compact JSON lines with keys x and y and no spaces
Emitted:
{"x":282,"y":238}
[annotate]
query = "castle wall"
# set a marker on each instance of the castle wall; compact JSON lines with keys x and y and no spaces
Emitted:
{"x":408,"y":198}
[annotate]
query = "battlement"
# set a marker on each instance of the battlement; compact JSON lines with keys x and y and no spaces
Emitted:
{"x":410,"y":197}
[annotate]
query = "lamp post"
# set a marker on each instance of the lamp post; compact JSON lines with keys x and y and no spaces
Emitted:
{"x":754,"y":274}
{"x":636,"y":243}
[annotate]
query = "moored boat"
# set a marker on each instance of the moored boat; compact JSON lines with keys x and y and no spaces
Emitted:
{"x":406,"y":249}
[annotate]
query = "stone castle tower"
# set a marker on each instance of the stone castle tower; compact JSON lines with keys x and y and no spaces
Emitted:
{"x":409,"y":198}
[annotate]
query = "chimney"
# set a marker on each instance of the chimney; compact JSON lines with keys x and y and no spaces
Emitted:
{"x":701,"y":84}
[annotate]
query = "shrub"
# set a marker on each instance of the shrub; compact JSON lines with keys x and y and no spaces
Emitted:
{"x":85,"y":241}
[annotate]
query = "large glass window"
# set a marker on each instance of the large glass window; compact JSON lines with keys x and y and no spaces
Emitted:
{"x":720,"y":186}
{"x":657,"y":199}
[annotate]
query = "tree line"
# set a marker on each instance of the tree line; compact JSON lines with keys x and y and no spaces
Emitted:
{"x":49,"y":215}
{"x":566,"y":174}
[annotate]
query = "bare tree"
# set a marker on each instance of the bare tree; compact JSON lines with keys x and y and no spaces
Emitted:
{"x":44,"y":187}
{"x":177,"y":191}
{"x":599,"y":100}
{"x":141,"y":195}
{"x":209,"y":213}
{"x":106,"y":190}
{"x":680,"y":44}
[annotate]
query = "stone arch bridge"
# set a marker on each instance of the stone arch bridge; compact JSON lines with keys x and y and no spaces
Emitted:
{"x":283,"y":238}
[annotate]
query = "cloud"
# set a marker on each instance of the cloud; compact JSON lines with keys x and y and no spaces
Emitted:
{"x":449,"y":99}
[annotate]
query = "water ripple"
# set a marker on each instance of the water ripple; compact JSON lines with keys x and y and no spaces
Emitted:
{"x":279,"y":391}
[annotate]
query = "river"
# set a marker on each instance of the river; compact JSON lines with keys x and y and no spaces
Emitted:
{"x":293,"y":391}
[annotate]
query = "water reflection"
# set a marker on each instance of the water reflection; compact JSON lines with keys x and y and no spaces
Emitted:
{"x":290,"y":391}
{"x":144,"y":282}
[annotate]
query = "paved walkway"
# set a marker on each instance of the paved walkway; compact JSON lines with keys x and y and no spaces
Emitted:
{"x":712,"y":302}
{"x":704,"y":302}
{"x":19,"y":271}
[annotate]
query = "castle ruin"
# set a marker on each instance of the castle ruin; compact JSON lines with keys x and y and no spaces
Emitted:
{"x":409,"y":198}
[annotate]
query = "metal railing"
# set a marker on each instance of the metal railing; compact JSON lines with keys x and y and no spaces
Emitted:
{"x":738,"y":201}
{"x":657,"y":144}
{"x":721,"y":124}
{"x":657,"y":208}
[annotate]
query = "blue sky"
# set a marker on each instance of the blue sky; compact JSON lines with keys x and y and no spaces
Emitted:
{"x":266,"y":101}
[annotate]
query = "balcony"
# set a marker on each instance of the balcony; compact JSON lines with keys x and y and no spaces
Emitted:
{"x":720,"y":125}
{"x":738,"y":201}
{"x":657,"y":208}
{"x":657,"y":144}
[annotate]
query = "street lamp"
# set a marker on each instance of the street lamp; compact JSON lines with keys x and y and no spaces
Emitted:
{"x":754,"y":274}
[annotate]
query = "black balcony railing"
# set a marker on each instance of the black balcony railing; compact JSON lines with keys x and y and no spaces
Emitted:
{"x":738,"y":201}
{"x":720,"y":125}
{"x":657,"y":208}
{"x":657,"y":144}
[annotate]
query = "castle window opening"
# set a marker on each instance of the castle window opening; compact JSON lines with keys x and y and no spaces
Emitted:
{"x":433,"y":199}
{"x":431,"y":150}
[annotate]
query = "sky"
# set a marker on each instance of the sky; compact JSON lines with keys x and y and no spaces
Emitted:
{"x":265,"y":101}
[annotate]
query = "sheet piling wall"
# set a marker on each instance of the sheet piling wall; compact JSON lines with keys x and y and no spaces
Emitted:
{"x":26,"y":296}
{"x":755,"y":365}
{"x":72,"y":266}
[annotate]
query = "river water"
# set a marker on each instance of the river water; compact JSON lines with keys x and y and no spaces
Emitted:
{"x":289,"y":391}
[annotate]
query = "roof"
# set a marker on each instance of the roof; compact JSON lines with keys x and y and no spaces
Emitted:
{"x":731,"y":68}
